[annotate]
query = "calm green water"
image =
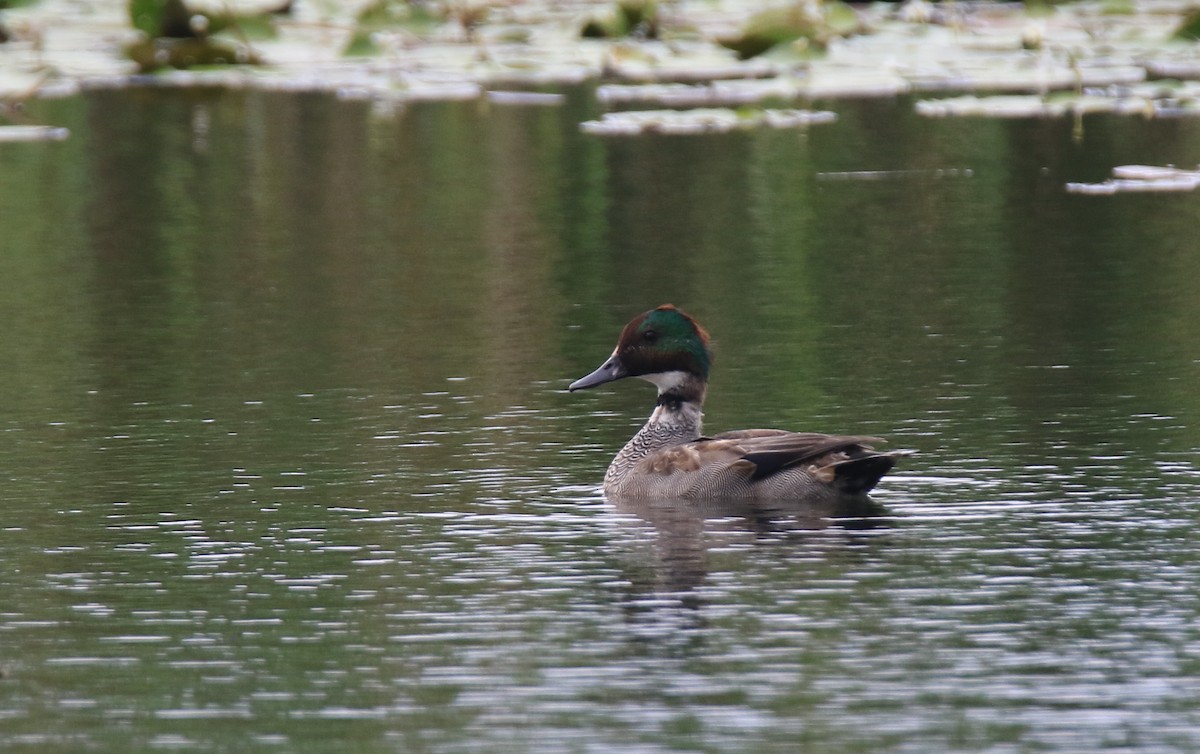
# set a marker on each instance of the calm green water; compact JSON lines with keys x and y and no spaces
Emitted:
{"x":288,"y":464}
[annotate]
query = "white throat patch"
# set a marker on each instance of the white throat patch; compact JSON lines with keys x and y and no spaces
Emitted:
{"x":667,"y":380}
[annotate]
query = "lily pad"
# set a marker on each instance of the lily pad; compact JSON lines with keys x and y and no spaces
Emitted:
{"x":1189,"y":27}
{"x":508,"y":97}
{"x":1010,"y":106}
{"x":162,"y":18}
{"x":737,"y":92}
{"x":1173,"y":67}
{"x":637,"y":18}
{"x":701,"y":121}
{"x":33,"y":133}
{"x":809,"y":21}
{"x":17,"y":86}
{"x":184,"y":33}
{"x":1141,"y":179}
{"x":388,"y":17}
{"x":868,"y":50}
{"x":1113,"y":101}
{"x":152,"y":54}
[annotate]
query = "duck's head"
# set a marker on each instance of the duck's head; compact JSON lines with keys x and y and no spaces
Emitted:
{"x":664,"y":346}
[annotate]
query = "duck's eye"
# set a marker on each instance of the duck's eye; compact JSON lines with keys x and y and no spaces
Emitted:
{"x":649,"y":336}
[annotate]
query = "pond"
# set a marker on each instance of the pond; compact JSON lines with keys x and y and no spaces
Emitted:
{"x":289,"y":464}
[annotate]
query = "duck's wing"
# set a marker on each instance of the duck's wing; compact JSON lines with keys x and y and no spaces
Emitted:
{"x":849,"y":462}
{"x":773,"y":449}
{"x":731,"y":459}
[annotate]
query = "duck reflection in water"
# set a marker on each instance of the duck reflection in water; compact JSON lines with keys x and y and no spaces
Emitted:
{"x":668,"y":570}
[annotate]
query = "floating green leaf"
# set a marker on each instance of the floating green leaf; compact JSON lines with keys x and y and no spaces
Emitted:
{"x":256,"y":27}
{"x":146,"y":16}
{"x":153,"y":54}
{"x":813,"y":22}
{"x":636,"y":18}
{"x":179,"y":36}
{"x":1117,"y":8}
{"x":701,"y":121}
{"x":1189,"y":27}
{"x":383,"y":15}
{"x":163,"y":18}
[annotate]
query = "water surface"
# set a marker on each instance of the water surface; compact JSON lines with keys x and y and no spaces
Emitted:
{"x":289,"y":464}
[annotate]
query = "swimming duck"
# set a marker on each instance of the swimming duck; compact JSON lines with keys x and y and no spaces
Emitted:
{"x":669,"y":458}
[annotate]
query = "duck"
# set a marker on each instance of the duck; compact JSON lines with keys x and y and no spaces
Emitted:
{"x":670,"y":457}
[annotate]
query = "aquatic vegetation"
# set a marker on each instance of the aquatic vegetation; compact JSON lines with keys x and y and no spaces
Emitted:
{"x":177,"y":34}
{"x":734,"y":92}
{"x":626,"y":18}
{"x":820,"y":81}
{"x":152,"y":54}
{"x":701,"y":121}
{"x":809,"y":22}
{"x":1189,"y":26}
{"x":1009,"y":106}
{"x":385,"y":16}
{"x":17,"y":88}
{"x":1148,"y":100}
{"x":469,"y":14}
{"x":33,"y":133}
{"x":997,"y":60}
{"x":1141,"y":179}
{"x":681,"y":62}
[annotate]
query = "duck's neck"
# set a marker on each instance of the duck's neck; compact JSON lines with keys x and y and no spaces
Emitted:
{"x":676,"y":420}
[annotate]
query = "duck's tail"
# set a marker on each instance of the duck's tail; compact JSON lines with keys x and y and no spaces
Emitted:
{"x":860,"y":474}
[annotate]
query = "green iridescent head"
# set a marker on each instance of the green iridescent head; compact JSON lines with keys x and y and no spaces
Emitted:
{"x":660,"y":341}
